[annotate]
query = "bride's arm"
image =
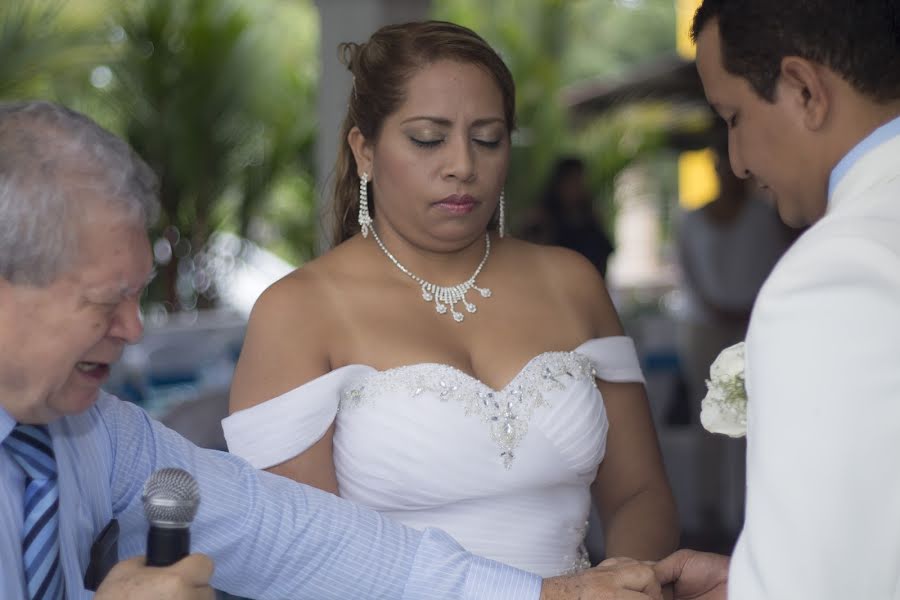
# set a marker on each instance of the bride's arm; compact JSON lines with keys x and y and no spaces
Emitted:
{"x":283,"y":349}
{"x":631,"y":489}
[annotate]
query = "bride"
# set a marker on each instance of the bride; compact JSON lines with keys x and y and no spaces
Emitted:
{"x":432,"y":368}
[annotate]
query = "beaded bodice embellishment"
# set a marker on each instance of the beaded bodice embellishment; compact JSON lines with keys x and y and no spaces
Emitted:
{"x":507,"y":412}
{"x":582,"y":559}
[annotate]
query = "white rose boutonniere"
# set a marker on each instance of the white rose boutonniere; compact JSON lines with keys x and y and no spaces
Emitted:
{"x":724,"y":409}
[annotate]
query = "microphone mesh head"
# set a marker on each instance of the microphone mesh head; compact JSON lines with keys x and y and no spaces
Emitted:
{"x":171,"y":497}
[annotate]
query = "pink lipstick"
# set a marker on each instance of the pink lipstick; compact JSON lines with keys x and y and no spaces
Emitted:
{"x":457,"y":205}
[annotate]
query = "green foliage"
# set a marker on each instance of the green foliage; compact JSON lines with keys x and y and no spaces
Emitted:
{"x":217,"y":95}
{"x":608,"y":37}
{"x":210,"y":111}
{"x":39,"y":57}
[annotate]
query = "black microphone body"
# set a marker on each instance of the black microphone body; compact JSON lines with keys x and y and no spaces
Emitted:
{"x":166,"y":546}
{"x":171,"y":497}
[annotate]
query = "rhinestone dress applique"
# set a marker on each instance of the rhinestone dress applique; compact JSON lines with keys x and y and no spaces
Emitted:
{"x":507,"y":411}
{"x":582,"y":560}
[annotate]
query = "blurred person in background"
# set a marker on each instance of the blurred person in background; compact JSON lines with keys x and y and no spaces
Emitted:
{"x":565,"y":215}
{"x":726,"y":249}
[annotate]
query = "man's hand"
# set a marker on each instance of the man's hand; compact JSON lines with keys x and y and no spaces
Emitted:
{"x":625,"y":580}
{"x":694,"y":575}
{"x":188,"y":579}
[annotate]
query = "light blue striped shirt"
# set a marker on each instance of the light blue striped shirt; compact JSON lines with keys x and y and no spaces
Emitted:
{"x":269,"y":537}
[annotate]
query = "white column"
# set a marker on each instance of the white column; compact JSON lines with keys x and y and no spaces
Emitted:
{"x":346,"y":21}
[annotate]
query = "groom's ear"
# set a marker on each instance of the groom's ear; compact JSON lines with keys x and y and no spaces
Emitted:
{"x":804,"y":87}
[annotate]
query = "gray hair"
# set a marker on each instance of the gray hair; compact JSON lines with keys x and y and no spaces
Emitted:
{"x":41,"y":143}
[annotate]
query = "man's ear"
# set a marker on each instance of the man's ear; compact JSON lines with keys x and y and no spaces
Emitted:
{"x":362,"y":151}
{"x":805,"y":88}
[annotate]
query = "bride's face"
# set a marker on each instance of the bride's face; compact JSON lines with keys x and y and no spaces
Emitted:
{"x":439,"y":163}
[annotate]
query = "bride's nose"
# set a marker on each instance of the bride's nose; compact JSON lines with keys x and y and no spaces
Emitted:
{"x":460,"y":159}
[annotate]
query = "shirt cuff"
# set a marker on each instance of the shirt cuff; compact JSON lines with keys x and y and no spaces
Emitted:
{"x":490,"y":580}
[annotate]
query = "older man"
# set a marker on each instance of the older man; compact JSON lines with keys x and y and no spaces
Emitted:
{"x":810,"y":90}
{"x":74,"y":258}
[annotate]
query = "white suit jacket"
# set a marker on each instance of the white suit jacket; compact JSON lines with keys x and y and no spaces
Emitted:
{"x":823,"y":377}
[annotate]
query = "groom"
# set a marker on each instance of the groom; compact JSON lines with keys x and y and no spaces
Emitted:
{"x":810,"y":90}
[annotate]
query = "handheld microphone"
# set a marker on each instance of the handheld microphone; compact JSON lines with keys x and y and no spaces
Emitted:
{"x":171,"y":497}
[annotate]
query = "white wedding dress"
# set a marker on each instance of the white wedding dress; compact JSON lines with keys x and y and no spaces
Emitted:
{"x":506,"y":472}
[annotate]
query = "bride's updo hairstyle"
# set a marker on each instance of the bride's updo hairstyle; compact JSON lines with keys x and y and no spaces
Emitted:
{"x":381,"y":69}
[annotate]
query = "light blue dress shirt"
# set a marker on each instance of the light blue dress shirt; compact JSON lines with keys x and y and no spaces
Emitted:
{"x":269,"y":537}
{"x":876,"y":138}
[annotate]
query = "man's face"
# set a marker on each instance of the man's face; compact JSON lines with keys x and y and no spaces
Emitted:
{"x":69,"y":333}
{"x":766,"y":140}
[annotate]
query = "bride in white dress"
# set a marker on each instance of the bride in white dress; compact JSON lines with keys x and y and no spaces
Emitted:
{"x":495,"y":402}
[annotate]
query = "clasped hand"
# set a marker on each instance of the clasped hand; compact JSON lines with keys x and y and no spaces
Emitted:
{"x":684,"y":575}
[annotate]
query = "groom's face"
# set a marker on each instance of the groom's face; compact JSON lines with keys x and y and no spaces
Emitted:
{"x":766,"y":140}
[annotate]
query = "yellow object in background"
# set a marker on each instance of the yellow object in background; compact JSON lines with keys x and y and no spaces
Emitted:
{"x":698,"y":183}
{"x":684,"y":15}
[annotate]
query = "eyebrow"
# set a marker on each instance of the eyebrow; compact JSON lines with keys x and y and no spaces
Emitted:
{"x":123,"y":289}
{"x":447,"y":122}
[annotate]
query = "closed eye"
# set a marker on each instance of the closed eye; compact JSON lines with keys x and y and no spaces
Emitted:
{"x":107,"y":308}
{"x":435,"y":143}
{"x":427,"y":143}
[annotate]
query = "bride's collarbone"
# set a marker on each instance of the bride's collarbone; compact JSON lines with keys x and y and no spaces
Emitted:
{"x":394,"y":326}
{"x":491,"y":357}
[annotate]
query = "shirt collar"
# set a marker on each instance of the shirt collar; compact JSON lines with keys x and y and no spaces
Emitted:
{"x":7,"y":423}
{"x":876,"y":138}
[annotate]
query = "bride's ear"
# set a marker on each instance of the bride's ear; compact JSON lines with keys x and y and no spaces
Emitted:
{"x":362,"y":151}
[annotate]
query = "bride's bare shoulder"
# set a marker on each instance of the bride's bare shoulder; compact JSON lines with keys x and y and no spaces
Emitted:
{"x":308,"y":301}
{"x":554,"y":264}
{"x":292,"y":331}
{"x":580,"y":285}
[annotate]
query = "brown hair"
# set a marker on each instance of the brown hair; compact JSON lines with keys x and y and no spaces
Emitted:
{"x":381,"y":68}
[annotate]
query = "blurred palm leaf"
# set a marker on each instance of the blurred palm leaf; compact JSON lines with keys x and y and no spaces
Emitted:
{"x":204,"y":105}
{"x":38,"y":55}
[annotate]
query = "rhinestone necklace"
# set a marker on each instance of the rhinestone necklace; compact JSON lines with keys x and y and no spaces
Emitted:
{"x":446,"y":297}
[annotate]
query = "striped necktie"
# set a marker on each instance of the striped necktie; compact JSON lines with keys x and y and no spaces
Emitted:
{"x":30,"y":447}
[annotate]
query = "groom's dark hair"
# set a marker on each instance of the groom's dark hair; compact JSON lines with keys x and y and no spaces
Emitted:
{"x":857,"y":39}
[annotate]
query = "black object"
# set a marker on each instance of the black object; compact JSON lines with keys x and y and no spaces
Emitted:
{"x":167,"y":545}
{"x":104,"y":556}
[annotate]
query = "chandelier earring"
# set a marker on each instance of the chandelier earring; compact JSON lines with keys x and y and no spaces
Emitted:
{"x":501,"y":221}
{"x":365,"y":220}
